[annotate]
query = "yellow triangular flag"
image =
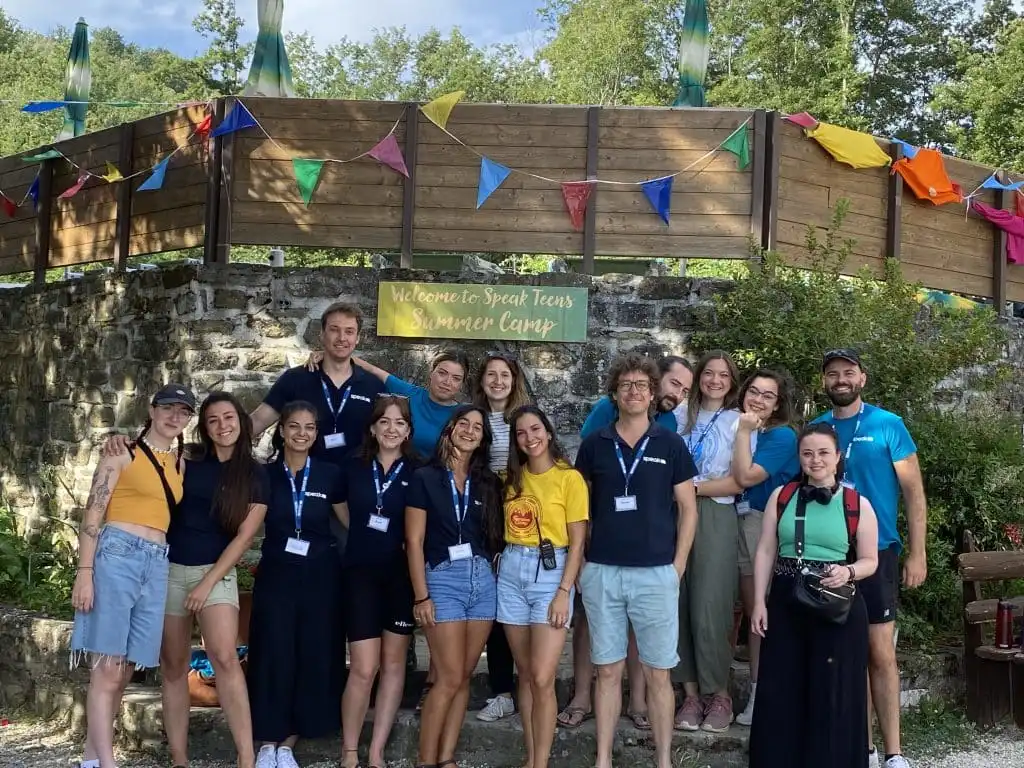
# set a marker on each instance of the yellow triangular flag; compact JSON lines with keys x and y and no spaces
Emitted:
{"x":440,"y":109}
{"x":112,"y":173}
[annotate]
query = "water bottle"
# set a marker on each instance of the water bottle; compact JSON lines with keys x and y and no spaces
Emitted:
{"x":1004,"y":625}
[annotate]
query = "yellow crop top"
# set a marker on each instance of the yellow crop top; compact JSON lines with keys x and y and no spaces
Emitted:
{"x":139,"y":497}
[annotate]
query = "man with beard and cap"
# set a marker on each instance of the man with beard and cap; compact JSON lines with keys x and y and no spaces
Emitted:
{"x":881,"y":460}
{"x":673,"y":391}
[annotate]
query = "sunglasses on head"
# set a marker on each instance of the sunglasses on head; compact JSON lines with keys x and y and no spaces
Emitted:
{"x":393,"y":397}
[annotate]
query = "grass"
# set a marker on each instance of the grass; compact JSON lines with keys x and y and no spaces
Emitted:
{"x":935,"y":727}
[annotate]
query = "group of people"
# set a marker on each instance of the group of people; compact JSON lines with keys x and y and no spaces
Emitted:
{"x":388,"y":507}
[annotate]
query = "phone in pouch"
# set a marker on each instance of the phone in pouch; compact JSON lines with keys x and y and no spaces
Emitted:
{"x":547,"y":555}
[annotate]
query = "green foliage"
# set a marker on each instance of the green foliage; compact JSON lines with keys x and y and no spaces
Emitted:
{"x":223,"y":66}
{"x":935,"y":727}
{"x":36,"y":575}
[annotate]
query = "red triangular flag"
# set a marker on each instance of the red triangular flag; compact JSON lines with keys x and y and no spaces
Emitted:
{"x":576,"y":194}
{"x":9,"y":207}
{"x":73,"y":189}
{"x":803,"y":119}
{"x":389,"y":153}
{"x":204,"y":127}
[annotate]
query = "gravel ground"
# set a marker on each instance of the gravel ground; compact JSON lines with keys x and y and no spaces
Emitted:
{"x":1003,"y":748}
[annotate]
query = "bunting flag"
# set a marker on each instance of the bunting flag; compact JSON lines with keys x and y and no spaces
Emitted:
{"x":37,"y":107}
{"x":925,"y":175}
{"x":576,"y":195}
{"x":307,"y":174}
{"x":803,"y":119}
{"x":33,"y":193}
{"x":50,"y":154}
{"x":389,"y":153}
{"x":993,"y":182}
{"x":909,"y":150}
{"x":156,"y":180}
{"x":856,"y":149}
{"x":739,"y":144}
{"x":71,"y":191}
{"x":1020,"y":204}
{"x":659,"y":194}
{"x":492,"y":176}
{"x":440,"y":109}
{"x":205,"y":126}
{"x":10,"y":207}
{"x":238,"y":118}
{"x":112,"y":174}
{"x":1012,"y":225}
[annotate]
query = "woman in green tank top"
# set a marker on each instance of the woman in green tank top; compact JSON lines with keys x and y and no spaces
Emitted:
{"x":811,"y":707}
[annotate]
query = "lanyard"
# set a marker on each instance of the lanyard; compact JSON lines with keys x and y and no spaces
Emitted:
{"x":330,"y":403}
{"x":707,"y":429}
{"x":461,"y":510}
{"x":389,"y":478}
{"x":298,"y":498}
{"x":853,"y":437}
{"x":636,"y":461}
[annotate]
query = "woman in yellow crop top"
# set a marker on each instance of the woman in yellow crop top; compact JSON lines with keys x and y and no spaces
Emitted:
{"x":547,"y":506}
{"x":121,"y":587}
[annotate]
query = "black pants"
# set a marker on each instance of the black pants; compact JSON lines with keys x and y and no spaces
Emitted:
{"x":811,"y":707}
{"x":293,"y":688}
{"x":499,"y":661}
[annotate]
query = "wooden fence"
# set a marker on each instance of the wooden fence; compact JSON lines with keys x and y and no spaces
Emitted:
{"x":240,"y":189}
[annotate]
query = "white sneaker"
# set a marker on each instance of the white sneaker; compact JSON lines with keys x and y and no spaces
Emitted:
{"x":897,"y":761}
{"x":746,"y":717}
{"x":267,"y":757}
{"x":285,"y":758}
{"x":872,"y":759}
{"x":497,"y":708}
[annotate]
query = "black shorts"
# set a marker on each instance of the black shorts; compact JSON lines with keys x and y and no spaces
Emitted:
{"x":378,"y":598}
{"x":881,"y":589}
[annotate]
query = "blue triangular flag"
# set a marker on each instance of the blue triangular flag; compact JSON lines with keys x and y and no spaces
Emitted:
{"x":492,"y":175}
{"x":156,"y":180}
{"x":659,"y":193}
{"x":237,"y":119}
{"x":42,"y":106}
{"x":909,"y":150}
{"x":33,"y":192}
{"x":993,"y":183}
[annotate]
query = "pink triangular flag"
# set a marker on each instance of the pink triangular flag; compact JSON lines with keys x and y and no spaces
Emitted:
{"x":390,"y":154}
{"x":10,"y":207}
{"x":576,"y":194}
{"x":73,"y":189}
{"x":804,"y":120}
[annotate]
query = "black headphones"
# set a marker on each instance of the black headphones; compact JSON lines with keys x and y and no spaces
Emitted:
{"x":817,"y":493}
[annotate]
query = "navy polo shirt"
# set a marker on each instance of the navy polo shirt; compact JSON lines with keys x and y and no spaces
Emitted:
{"x":431,"y":490}
{"x":366,"y":545}
{"x":322,"y":491}
{"x":195,"y":536}
{"x":300,"y":384}
{"x":645,"y":536}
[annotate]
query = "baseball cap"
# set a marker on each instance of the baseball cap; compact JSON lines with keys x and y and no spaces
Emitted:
{"x":174,"y":394}
{"x":845,"y":353}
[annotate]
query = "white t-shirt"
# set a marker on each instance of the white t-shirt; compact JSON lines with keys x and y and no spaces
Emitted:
{"x":710,"y":443}
{"x":499,"y":448}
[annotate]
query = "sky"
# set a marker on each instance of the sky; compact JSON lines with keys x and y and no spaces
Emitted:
{"x":168,"y":23}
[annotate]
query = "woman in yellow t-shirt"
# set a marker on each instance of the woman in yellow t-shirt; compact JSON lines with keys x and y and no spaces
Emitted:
{"x":546,"y":513}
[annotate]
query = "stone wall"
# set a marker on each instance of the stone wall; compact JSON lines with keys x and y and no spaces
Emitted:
{"x":83,"y":357}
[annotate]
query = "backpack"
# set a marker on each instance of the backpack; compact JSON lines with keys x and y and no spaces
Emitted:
{"x":851,"y":508}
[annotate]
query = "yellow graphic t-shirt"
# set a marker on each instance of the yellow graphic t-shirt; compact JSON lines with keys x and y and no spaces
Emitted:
{"x":556,"y":497}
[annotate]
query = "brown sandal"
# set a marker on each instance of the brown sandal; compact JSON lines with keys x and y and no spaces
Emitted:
{"x":573,"y":717}
{"x":640,"y":720}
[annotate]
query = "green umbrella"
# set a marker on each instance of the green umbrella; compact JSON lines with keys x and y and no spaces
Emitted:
{"x":693,"y":55}
{"x":270,"y":73}
{"x":78,"y":84}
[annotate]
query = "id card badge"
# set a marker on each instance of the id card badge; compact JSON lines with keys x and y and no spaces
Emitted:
{"x":336,"y":440}
{"x":379,"y":523}
{"x":625,"y":503}
{"x":297,"y":547}
{"x":460,"y":552}
{"x":743,"y":507}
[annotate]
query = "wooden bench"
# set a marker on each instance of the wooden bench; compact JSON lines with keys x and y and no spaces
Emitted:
{"x":995,"y":676}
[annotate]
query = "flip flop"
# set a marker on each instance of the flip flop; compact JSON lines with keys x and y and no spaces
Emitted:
{"x":573,"y":717}
{"x":640,"y":720}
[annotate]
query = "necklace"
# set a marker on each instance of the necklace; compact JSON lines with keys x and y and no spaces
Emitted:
{"x":155,"y":449}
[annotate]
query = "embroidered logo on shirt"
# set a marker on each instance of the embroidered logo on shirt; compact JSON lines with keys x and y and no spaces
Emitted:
{"x":864,"y":439}
{"x":655,"y":460}
{"x":361,"y":397}
{"x":316,"y":495}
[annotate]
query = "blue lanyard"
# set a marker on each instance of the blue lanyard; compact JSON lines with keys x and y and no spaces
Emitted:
{"x":389,"y":478}
{"x":707,"y":429}
{"x":298,"y":498}
{"x":461,"y":510}
{"x":853,"y":437}
{"x":330,"y":403}
{"x":636,"y":461}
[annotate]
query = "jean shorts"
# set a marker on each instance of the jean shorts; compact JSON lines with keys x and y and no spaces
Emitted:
{"x":525,"y":589}
{"x":130,"y":589}
{"x":646,"y":598}
{"x":463,"y":590}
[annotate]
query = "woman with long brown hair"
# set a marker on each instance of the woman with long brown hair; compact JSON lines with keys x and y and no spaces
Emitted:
{"x":453,"y":528}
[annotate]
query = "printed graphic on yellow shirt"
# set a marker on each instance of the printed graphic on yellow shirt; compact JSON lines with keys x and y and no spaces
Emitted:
{"x":522,"y":516}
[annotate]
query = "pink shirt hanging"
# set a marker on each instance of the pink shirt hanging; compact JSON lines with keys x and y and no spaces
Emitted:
{"x":1012,"y":225}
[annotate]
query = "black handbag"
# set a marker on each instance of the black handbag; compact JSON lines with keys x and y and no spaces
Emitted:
{"x":830,"y":604}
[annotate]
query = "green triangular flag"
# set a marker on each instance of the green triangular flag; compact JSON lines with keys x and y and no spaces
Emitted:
{"x":50,"y":154}
{"x":739,"y":145}
{"x":307,"y":174}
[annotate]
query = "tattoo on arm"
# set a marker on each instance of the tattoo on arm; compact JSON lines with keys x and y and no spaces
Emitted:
{"x":99,"y":497}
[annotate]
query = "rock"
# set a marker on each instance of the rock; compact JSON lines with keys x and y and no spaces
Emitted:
{"x":475,"y":268}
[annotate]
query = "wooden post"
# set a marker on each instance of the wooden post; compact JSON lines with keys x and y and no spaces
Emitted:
{"x":225,"y":211}
{"x":894,"y":207}
{"x":123,"y":224}
{"x":412,"y":122}
{"x":590,"y":219}
{"x":773,"y":138}
{"x":757,"y":174}
{"x":999,"y":271}
{"x":213,"y":182}
{"x":44,"y":211}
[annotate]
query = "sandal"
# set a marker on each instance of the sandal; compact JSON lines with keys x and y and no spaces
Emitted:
{"x":640,"y":720}
{"x":573,"y":717}
{"x":447,"y":762}
{"x":345,"y":752}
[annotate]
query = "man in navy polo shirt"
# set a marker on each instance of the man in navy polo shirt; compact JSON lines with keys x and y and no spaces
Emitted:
{"x":643,"y":517}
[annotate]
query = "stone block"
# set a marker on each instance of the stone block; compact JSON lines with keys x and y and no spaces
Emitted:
{"x":229,"y":298}
{"x":673,"y":288}
{"x":101,"y":416}
{"x":267,"y":361}
{"x":211,"y":360}
{"x":687,"y":317}
{"x":178,"y":277}
{"x":635,"y":314}
{"x":186,"y":304}
{"x":68,"y":423}
{"x":272,"y":327}
{"x":114,"y":345}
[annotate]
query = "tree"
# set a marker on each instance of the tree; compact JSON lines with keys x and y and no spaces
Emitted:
{"x":223,"y":64}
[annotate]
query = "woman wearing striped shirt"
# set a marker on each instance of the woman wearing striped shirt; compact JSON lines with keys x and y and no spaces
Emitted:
{"x":499,"y":388}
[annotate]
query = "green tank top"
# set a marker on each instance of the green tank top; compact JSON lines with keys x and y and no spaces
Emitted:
{"x":826,"y":538}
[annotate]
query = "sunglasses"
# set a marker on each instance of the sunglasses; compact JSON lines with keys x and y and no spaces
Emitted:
{"x":393,"y":397}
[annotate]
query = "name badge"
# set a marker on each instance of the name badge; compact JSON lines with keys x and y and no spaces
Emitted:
{"x":336,"y":440}
{"x":743,"y":507}
{"x":625,"y":503}
{"x":460,"y":552}
{"x":297,"y":547}
{"x":379,"y":523}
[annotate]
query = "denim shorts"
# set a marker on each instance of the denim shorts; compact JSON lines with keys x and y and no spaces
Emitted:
{"x":462,"y":590}
{"x":525,"y":589}
{"x":647,"y":598}
{"x":130,"y":590}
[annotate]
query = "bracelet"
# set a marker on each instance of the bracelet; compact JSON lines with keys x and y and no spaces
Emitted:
{"x":853,"y":574}
{"x":563,"y":589}
{"x":420,"y":602}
